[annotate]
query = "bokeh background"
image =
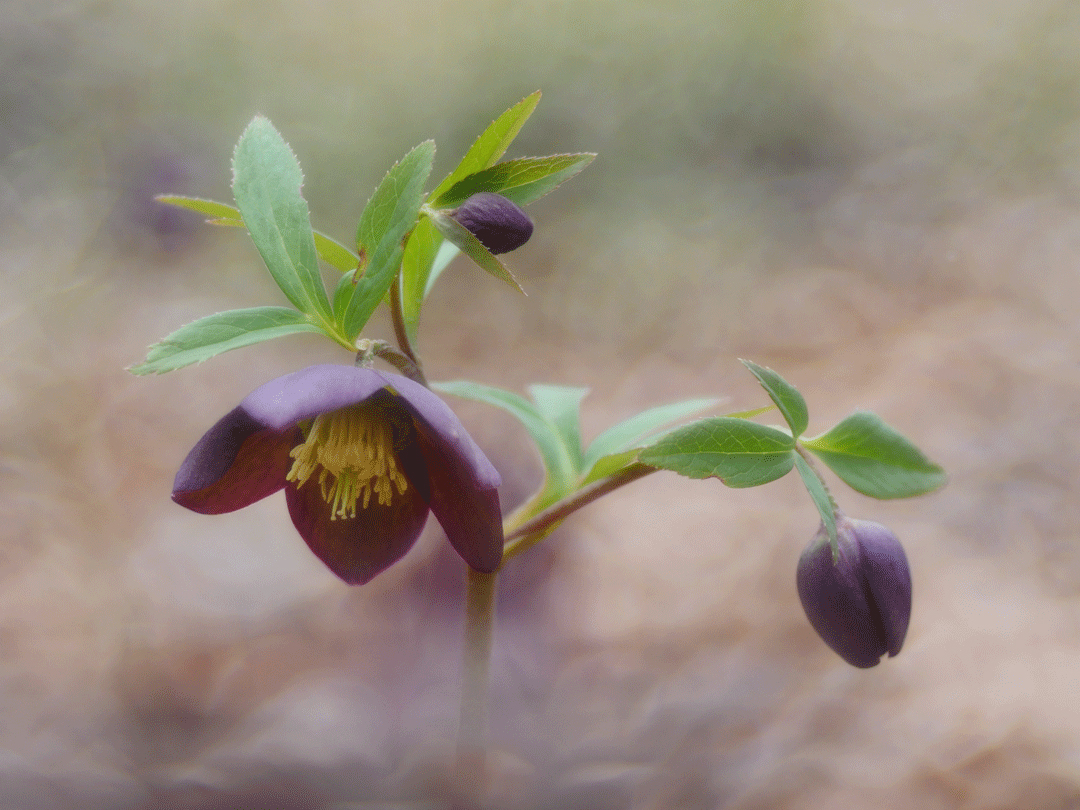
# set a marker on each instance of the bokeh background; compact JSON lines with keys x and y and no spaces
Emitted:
{"x":879,"y":200}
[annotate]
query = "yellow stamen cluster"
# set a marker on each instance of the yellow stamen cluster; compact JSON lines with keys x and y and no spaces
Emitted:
{"x":353,"y":450}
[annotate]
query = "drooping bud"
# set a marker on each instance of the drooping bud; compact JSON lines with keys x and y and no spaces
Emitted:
{"x":496,"y":221}
{"x":860,"y":606}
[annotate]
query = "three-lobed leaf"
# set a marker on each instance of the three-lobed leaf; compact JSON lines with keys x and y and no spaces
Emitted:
{"x":873,"y":458}
{"x":738,"y":452}
{"x":202,"y":339}
{"x":417,"y":267}
{"x":266,"y":183}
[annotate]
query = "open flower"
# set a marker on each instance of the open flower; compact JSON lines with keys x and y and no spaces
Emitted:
{"x":362,"y":456}
{"x":860,"y":605}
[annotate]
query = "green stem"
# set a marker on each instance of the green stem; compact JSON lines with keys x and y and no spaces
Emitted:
{"x":522,"y":532}
{"x":809,"y":459}
{"x":401,"y":333}
{"x":812,"y":479}
{"x":367,"y":350}
{"x":476,"y":675}
{"x":534,"y":529}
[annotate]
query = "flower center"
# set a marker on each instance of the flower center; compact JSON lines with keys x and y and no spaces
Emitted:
{"x":353,"y":450}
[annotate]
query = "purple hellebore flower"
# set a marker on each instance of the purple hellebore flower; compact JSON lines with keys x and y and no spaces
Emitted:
{"x":860,"y":606}
{"x":362,"y":456}
{"x":496,"y":221}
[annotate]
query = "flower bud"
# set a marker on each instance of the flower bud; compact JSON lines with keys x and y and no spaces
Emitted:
{"x":860,"y":605}
{"x":496,"y":221}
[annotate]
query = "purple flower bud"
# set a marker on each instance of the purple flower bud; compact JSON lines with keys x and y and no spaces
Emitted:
{"x":497,"y":222}
{"x":860,"y":606}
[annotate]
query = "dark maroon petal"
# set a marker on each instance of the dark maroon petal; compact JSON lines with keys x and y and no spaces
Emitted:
{"x":888,"y":576}
{"x":237,"y":462}
{"x":356,"y":549}
{"x":464,"y":484}
{"x":305,"y":394}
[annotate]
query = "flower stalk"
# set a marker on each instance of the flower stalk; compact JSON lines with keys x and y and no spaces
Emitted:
{"x":476,"y":678}
{"x":522,"y":531}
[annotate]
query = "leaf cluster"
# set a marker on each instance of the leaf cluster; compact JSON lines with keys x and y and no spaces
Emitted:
{"x":404,"y":235}
{"x":862,"y":450}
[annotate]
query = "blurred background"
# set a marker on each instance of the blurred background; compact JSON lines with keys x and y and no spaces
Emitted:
{"x":881,"y":201}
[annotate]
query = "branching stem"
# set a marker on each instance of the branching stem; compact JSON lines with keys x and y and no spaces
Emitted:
{"x":530,"y":531}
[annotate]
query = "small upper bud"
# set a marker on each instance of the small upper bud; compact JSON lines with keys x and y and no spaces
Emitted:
{"x":860,"y":606}
{"x":496,"y":221}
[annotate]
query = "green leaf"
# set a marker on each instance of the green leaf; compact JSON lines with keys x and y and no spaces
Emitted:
{"x":558,"y":460}
{"x":561,"y":406}
{"x":492,"y":143}
{"x":266,"y":184}
{"x":211,"y":208}
{"x":522,"y":180}
{"x":608,"y":465}
{"x":214,"y":334}
{"x":468,"y":244}
{"x":417,"y":267}
{"x":820,"y":496}
{"x":335,"y":254}
{"x":738,"y":452}
{"x":875,"y":459}
{"x":387,"y":219}
{"x":790,"y":402}
{"x":635,"y":431}
{"x":750,"y":414}
{"x":330,"y":251}
{"x":447,"y":252}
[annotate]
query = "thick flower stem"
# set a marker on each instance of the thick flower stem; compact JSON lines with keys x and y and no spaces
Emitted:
{"x":522,"y":531}
{"x":476,"y":673}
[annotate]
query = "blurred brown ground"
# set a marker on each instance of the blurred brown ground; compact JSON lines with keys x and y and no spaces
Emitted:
{"x":878,"y":200}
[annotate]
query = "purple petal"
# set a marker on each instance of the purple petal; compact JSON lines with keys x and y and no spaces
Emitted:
{"x":888,"y":576}
{"x":464,"y":484}
{"x":305,"y":394}
{"x":835,"y":600}
{"x":358,"y":548}
{"x":245,"y":456}
{"x":237,"y":462}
